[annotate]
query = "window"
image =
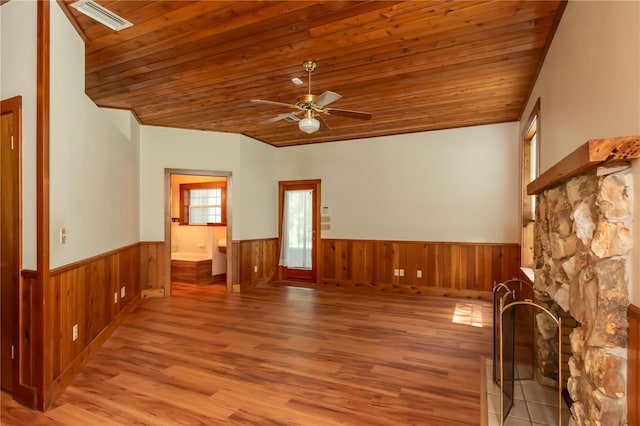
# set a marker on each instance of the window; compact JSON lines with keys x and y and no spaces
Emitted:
{"x":203,"y":203}
{"x":530,"y":170}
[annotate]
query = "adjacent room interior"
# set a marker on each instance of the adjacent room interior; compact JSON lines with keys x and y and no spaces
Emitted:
{"x":320,"y":213}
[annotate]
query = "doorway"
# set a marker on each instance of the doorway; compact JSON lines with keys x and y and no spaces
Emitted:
{"x":298,"y":230}
{"x":11,"y":245}
{"x":198,"y":230}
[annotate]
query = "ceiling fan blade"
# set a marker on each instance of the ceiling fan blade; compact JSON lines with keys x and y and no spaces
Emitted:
{"x":326,"y":98}
{"x":262,"y":101}
{"x":289,"y":116}
{"x":323,"y":124}
{"x":360,"y":115}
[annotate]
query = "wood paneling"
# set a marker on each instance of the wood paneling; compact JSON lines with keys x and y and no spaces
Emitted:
{"x":191,"y":271}
{"x":463,"y":269}
{"x":249,"y":254}
{"x":81,"y":293}
{"x":30,"y":333}
{"x":633,"y":366}
{"x":462,"y":63}
{"x":155,"y":267}
{"x":155,"y":272}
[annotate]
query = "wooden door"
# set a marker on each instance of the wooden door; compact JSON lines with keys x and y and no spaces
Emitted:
{"x":10,"y":229}
{"x":300,"y":274}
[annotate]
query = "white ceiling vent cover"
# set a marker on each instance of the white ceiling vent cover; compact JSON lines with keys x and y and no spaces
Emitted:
{"x":104,"y":16}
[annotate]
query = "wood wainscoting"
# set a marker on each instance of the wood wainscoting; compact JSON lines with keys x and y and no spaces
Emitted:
{"x":30,"y":321}
{"x":86,"y":293}
{"x":633,"y":366}
{"x":154,"y":269}
{"x":255,"y":262}
{"x":437,"y":268}
{"x":246,"y":256}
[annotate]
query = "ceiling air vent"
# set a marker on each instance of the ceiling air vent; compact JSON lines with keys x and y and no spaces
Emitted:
{"x":104,"y":16}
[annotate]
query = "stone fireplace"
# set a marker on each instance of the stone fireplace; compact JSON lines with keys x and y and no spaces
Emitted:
{"x":582,"y":249}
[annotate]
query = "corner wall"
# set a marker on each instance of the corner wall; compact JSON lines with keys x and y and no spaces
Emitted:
{"x":589,"y":87}
{"x":93,"y":165}
{"x":457,"y":185}
{"x":252,"y":192}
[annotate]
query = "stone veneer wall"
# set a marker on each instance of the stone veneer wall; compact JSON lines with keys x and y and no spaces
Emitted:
{"x":582,"y":249}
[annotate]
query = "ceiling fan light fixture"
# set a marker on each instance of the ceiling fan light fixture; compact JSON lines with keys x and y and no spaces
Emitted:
{"x":309,"y":125}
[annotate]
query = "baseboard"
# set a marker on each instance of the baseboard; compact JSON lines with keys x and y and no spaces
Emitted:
{"x":26,"y":395}
{"x":405,"y":289}
{"x":66,"y":377}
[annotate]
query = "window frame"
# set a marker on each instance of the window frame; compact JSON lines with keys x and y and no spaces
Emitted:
{"x":532,"y":128}
{"x":184,"y":205}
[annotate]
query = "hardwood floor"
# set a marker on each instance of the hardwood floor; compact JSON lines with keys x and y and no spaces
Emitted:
{"x":282,"y":355}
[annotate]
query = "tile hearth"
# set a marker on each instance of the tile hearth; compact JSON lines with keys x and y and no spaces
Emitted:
{"x":534,"y":404}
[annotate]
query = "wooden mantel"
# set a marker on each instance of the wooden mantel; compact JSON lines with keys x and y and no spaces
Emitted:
{"x":592,"y":154}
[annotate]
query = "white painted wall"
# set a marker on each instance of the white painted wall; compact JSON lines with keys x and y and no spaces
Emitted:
{"x":251,"y":163}
{"x":257,"y":187}
{"x":589,"y":87}
{"x":93,"y":166}
{"x":18,"y":45}
{"x":448,"y":185}
{"x":124,"y":121}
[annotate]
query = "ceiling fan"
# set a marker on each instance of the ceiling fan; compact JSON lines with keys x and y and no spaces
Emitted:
{"x":310,"y":106}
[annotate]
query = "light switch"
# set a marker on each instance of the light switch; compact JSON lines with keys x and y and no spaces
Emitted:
{"x":63,"y":236}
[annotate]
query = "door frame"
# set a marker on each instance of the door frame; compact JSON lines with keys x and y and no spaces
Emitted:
{"x":167,"y":222}
{"x":14,"y":106}
{"x":282,"y":187}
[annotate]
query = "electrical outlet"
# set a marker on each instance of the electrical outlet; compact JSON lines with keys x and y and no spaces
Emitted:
{"x":396,"y":272}
{"x":74,"y":332}
{"x":255,"y":268}
{"x":115,"y":297}
{"x":122,"y":292}
{"x":402,"y":272}
{"x":419,"y":273}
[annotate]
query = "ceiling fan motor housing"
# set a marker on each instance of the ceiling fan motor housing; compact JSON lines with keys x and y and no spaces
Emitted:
{"x":306,"y":102}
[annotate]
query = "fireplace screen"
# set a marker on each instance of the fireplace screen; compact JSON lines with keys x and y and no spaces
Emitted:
{"x":507,"y":353}
{"x":505,"y":303}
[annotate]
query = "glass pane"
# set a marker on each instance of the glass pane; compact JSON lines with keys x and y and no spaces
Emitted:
{"x":205,"y":214}
{"x":533,"y":170}
{"x":197,"y":215}
{"x":297,"y":233}
{"x":205,"y":206}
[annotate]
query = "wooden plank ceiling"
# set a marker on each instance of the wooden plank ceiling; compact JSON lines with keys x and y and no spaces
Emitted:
{"x":416,"y":66}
